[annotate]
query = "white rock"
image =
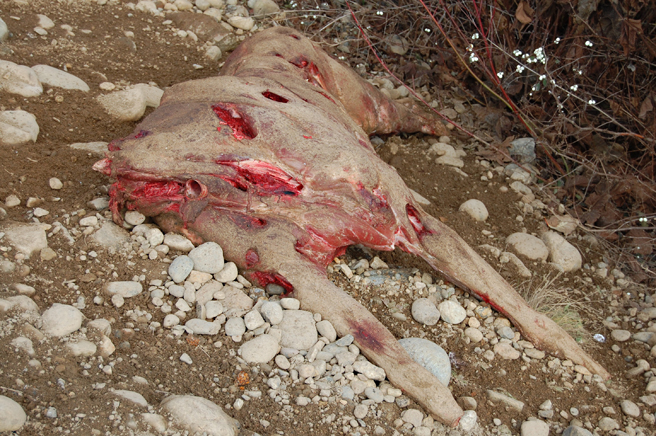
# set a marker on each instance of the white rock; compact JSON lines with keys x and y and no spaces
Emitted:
{"x":170,"y":320}
{"x":264,"y":7}
{"x":562,"y":252}
{"x":19,"y":79}
{"x":61,"y":320}
{"x":272,"y":312}
{"x":59,"y":79}
{"x":244,"y":23}
{"x":377,"y":263}
{"x":124,"y":289}
{"x":4,"y":34}
{"x":475,"y":209}
{"x":229,"y":273}
{"x":235,"y":300}
{"x":18,"y":127}
{"x":183,"y":5}
{"x":111,"y":236}
{"x":261,"y":349}
{"x":450,"y":161}
{"x":99,"y":147}
{"x":213,"y":53}
{"x":101,"y":325}
{"x":12,"y":415}
{"x":474,"y":334}
{"x":535,"y":428}
{"x":180,"y":268}
{"x":89,"y":221}
{"x":452,"y":312}
{"x":290,"y":303}
{"x":134,"y":218}
{"x":178,"y":242}
{"x":506,"y":351}
{"x":620,"y":335}
{"x":82,"y":348}
{"x":207,"y":257}
{"x":235,"y":326}
{"x":157,"y":422}
{"x":528,"y":246}
{"x":152,"y":94}
{"x":131,"y":396}
{"x":202,"y":327}
{"x":630,"y":408}
{"x":147,"y":6}
{"x":369,"y":370}
{"x":213,"y":309}
{"x":326,"y":329}
{"x":23,"y":343}
{"x":425,"y":312}
{"x":298,"y":329}
{"x":198,"y":415}
{"x":154,"y":236}
{"x":505,"y":400}
{"x":55,"y":183}
{"x":413,"y":416}
{"x":26,"y":238}
{"x":253,"y":320}
{"x":125,"y":105}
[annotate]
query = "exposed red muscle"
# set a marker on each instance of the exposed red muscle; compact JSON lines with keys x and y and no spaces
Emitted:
{"x":264,"y":278}
{"x":275,"y":97}
{"x":114,"y":145}
{"x":413,"y":216}
{"x":140,"y":134}
{"x":375,"y":199}
{"x":170,"y":190}
{"x":103,"y":166}
{"x":241,"y":126}
{"x":265,"y":178}
{"x":252,"y":258}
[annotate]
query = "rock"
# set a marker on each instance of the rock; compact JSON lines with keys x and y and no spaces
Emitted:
{"x":203,"y":5}
{"x":111,"y":236}
{"x":298,"y":329}
{"x":157,"y":422}
{"x":564,"y":224}
{"x":535,"y":427}
{"x":429,"y":355}
{"x":61,"y":320}
{"x":152,"y":94}
{"x":377,"y":263}
{"x":290,"y":303}
{"x":131,"y":396}
{"x":467,"y":403}
{"x":506,"y":351}
{"x":82,"y":348}
{"x":134,"y":218}
{"x":412,"y":416}
{"x":22,"y":303}
{"x":229,"y":273}
{"x":272,"y":312}
{"x":23,"y":289}
{"x":4,"y":34}
{"x":425,"y":312}
{"x":170,"y":320}
{"x":99,"y":147}
{"x":213,"y":53}
{"x":630,"y":408}
{"x":505,"y":400}
{"x":178,"y":242}
{"x":236,"y":300}
{"x":452,"y":312}
{"x":47,"y":254}
{"x":202,"y":327}
{"x":12,"y":415}
{"x":561,"y":252}
{"x":524,"y":149}
{"x":101,"y":325}
{"x":253,"y":320}
{"x":511,"y":258}
{"x":106,"y":347}
{"x":180,"y":268}
{"x":125,"y":105}
{"x":198,"y":415}
{"x":450,"y":161}
{"x":474,"y":334}
{"x":235,"y":326}
{"x":24,"y":344}
{"x":244,"y":23}
{"x":207,"y":257}
{"x":19,"y":79}
{"x":17,"y":127}
{"x":369,"y":370}
{"x":124,"y":289}
{"x":534,"y":353}
{"x":620,"y":335}
{"x":265,"y":7}
{"x":574,"y":430}
{"x":475,"y":209}
{"x":57,"y":78}
{"x":468,"y":421}
{"x":397,"y":44}
{"x":505,"y":332}
{"x":183,"y":5}
{"x":326,"y":329}
{"x":608,"y":424}
{"x":260,"y":350}
{"x":528,"y":246}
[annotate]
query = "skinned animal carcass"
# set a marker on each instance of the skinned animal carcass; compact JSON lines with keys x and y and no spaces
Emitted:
{"x":272,"y":161}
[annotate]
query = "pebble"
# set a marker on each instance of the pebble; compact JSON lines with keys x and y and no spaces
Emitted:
{"x":506,"y":351}
{"x":528,"y":246}
{"x":178,"y":242}
{"x":429,"y":355}
{"x":207,"y":257}
{"x":452,"y":312}
{"x":61,"y":320}
{"x":19,"y":79}
{"x":475,"y":209}
{"x":326,"y":329}
{"x":134,"y":218}
{"x":498,"y":398}
{"x":82,"y":348}
{"x":131,"y":396}
{"x":630,"y":408}
{"x":235,"y":327}
{"x":57,"y":78}
{"x":170,"y":321}
{"x":244,"y":23}
{"x":468,"y":420}
{"x":186,"y":359}
{"x":202,"y":327}
{"x":290,"y":303}
{"x":125,"y":105}
{"x":535,"y":427}
{"x":506,"y":332}
{"x":574,"y":430}
{"x":124,"y":289}
{"x":55,"y":183}
{"x":199,"y":415}
{"x":12,"y":415}
{"x":412,"y":416}
{"x":261,"y":349}
{"x":374,"y":394}
{"x":620,"y":335}
{"x":608,"y":424}
{"x":561,"y":252}
{"x":272,"y":312}
{"x":180,"y":268}
{"x":253,"y":320}
{"x":298,"y":329}
{"x":425,"y":312}
{"x":229,"y":273}
{"x":369,"y":370}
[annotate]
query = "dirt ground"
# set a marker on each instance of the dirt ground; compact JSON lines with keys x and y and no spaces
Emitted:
{"x":100,"y":52}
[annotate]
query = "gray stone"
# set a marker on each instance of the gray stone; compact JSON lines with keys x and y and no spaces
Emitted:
{"x":574,"y":430}
{"x":180,"y":268}
{"x":235,"y":300}
{"x":152,"y":94}
{"x":244,"y":23}
{"x":59,"y":79}
{"x":98,"y":147}
{"x":524,"y":149}
{"x":561,"y":252}
{"x":261,"y":349}
{"x":124,"y":289}
{"x":528,"y":246}
{"x":22,"y":303}
{"x":178,"y":242}
{"x":498,"y":398}
{"x":125,"y":105}
{"x":620,"y":335}
{"x":608,"y":424}
{"x":18,"y":127}
{"x":412,"y":416}
{"x":82,"y":348}
{"x":202,"y":327}
{"x":61,"y":320}
{"x":207,"y":257}
{"x":506,"y":351}
{"x":630,"y":408}
{"x":425,"y":312}
{"x":298,"y":329}
{"x":24,"y":344}
{"x":198,"y":415}
{"x":475,"y":209}
{"x":375,"y":395}
{"x":253,"y":320}
{"x":535,"y":428}
{"x":229,"y":273}
{"x":534,"y":353}
{"x":19,"y":79}
{"x":290,"y":303}
{"x":272,"y":312}
{"x":265,"y":7}
{"x":429,"y":355}
{"x":235,"y":326}
{"x":369,"y":370}
{"x":12,"y":415}
{"x":468,"y":421}
{"x":452,"y":312}
{"x":4,"y":34}
{"x":326,"y":329}
{"x":475,"y":335}
{"x":506,"y":332}
{"x":131,"y":396}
